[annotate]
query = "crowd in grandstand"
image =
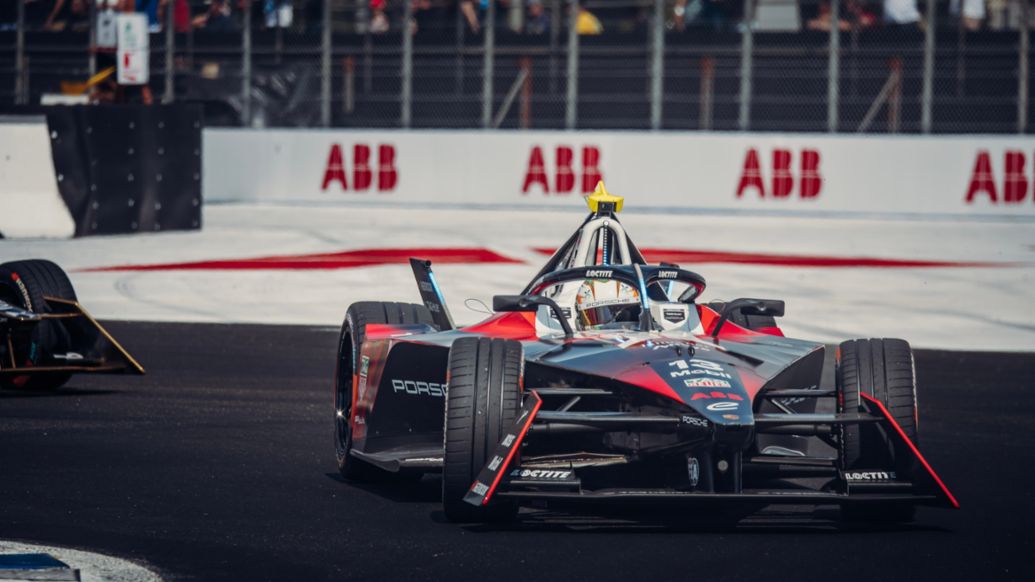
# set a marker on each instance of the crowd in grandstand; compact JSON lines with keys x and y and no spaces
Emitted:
{"x":534,"y":17}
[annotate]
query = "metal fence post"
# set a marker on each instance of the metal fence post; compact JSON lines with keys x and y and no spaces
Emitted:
{"x":1022,"y":73}
{"x":927,"y":98}
{"x":170,"y":47}
{"x":834,"y":67}
{"x":19,"y":58}
{"x":406,"y":89}
{"x":747,"y":42}
{"x":325,"y":65}
{"x":657,"y":65}
{"x":92,"y":15}
{"x":246,"y":66}
{"x":488,"y":60}
{"x":571,"y":104}
{"x":707,"y":92}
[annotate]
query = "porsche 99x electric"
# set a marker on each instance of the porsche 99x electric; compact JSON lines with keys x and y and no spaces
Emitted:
{"x":607,"y":381}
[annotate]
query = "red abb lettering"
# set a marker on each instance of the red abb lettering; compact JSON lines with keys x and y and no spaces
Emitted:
{"x":810,"y":182}
{"x":783,"y":180}
{"x":1015,"y":185}
{"x":751,"y":175}
{"x":590,"y":169}
{"x":362,"y":174}
{"x":335,"y":169}
{"x":565,"y":172}
{"x":536,"y":172}
{"x":982,"y":179}
{"x":565,"y":178}
{"x":387,"y":176}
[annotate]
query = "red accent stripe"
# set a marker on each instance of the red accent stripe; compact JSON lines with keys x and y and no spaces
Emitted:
{"x":923,"y":461}
{"x":730,"y":257}
{"x":339,"y":260}
{"x":514,"y":449}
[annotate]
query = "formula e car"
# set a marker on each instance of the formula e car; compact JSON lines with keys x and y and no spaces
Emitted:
{"x":606,"y":381}
{"x":45,"y":335}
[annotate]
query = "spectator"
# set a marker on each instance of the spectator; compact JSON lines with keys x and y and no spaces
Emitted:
{"x":588,"y":24}
{"x":218,"y":18}
{"x":714,"y":13}
{"x":470,"y":15}
{"x":378,"y":19}
{"x":973,"y":13}
{"x":537,"y":21}
{"x":901,"y":12}
{"x":181,"y":15}
{"x":151,"y":9}
{"x":855,"y":16}
{"x":279,"y":13}
{"x":59,"y":16}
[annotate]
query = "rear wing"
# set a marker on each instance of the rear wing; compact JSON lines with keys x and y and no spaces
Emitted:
{"x":91,"y":348}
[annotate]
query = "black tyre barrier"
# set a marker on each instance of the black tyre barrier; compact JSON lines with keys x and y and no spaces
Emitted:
{"x":127,"y":168}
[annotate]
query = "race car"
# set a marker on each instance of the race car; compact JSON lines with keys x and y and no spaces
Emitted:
{"x":45,"y":335}
{"x":606,"y":381}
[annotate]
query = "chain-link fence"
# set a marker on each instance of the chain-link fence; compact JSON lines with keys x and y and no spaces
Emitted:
{"x":944,"y":66}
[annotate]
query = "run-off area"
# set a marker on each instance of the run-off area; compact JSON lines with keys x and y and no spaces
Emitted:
{"x":949,"y":284}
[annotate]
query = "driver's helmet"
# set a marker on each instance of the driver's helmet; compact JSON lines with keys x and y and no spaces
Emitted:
{"x":604,"y":304}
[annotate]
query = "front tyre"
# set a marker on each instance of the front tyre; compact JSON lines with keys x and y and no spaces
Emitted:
{"x":350,"y":340}
{"x":483,"y":401}
{"x":882,"y":369}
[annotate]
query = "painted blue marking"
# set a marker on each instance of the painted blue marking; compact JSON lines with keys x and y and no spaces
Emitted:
{"x":30,"y":562}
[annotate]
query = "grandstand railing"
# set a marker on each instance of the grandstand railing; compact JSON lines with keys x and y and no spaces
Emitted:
{"x":759,"y":66}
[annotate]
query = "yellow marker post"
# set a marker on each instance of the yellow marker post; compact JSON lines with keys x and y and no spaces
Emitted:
{"x":602,"y":201}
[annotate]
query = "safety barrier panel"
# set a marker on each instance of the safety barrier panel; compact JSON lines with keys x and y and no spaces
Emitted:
{"x":792,"y":173}
{"x":119,"y":169}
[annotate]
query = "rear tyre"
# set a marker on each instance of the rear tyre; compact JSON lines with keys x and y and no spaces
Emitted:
{"x":882,"y":369}
{"x":353,"y":334}
{"x":25,"y":284}
{"x":484,"y":398}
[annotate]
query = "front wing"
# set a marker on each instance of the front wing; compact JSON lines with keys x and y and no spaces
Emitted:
{"x":922,"y":486}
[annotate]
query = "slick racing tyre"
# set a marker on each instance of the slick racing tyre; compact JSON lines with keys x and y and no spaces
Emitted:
{"x":24,"y":284}
{"x":483,"y":400}
{"x":747,"y":321}
{"x":882,"y":369}
{"x":353,"y":333}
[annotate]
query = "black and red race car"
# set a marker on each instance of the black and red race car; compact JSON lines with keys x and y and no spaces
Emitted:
{"x":605,"y":381}
{"x":46,"y":335}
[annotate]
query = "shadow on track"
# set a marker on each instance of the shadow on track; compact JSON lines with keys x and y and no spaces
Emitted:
{"x":640,"y":520}
{"x":64,"y":392}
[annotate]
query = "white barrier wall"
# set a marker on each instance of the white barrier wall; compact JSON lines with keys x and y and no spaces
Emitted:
{"x":801,"y":173}
{"x":30,"y":204}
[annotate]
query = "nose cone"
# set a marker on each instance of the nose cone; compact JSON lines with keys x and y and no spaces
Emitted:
{"x":712,"y":388}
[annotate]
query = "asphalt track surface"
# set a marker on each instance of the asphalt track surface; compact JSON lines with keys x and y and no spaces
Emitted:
{"x":218,"y":465}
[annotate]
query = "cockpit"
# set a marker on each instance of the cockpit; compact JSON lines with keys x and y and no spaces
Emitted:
{"x":594,"y":295}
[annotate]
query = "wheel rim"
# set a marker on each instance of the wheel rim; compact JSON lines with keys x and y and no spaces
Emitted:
{"x":343,"y":397}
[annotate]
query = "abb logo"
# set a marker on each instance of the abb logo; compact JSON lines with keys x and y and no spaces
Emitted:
{"x":362,"y":173}
{"x":782,"y":183}
{"x":1015,"y":180}
{"x":715,"y":394}
{"x":536,"y":173}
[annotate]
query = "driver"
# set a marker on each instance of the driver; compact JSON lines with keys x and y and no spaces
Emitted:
{"x":606,"y":304}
